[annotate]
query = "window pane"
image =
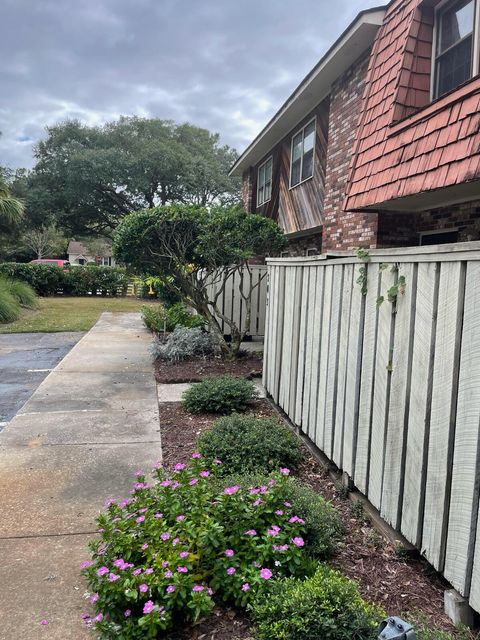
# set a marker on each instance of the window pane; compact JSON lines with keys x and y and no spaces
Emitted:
{"x":309,"y":137}
{"x":268,"y":190}
{"x":295,"y":177}
{"x":454,"y":67}
{"x":260,"y":195}
{"x":456,"y":24}
{"x":297,"y":147}
{"x":268,"y":171}
{"x":307,"y":169}
{"x":261,"y":176}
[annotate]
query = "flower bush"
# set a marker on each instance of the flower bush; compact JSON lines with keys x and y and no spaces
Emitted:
{"x":247,"y":444}
{"x":164,"y":552}
{"x":222,"y":394}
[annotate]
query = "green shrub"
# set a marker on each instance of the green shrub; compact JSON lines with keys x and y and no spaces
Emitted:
{"x":326,"y":605}
{"x":246,"y":444}
{"x":184,"y":343}
{"x":9,"y":306}
{"x":45,"y":279}
{"x":163,"y":552}
{"x":323,"y":526}
{"x":223,"y":394}
{"x":21,"y":291}
{"x":426,"y":631}
{"x":157,"y":318}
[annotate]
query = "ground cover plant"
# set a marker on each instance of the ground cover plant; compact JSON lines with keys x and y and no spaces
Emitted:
{"x":175,"y":544}
{"x":161,"y":318}
{"x":326,"y":605}
{"x":248,"y":444}
{"x":223,"y":394}
{"x":184,"y":343}
{"x":14,"y":295}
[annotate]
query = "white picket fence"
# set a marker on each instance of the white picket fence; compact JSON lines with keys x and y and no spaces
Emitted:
{"x":390,"y":393}
{"x":232,"y":305}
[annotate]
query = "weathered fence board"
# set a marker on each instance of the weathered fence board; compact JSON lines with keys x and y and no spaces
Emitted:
{"x":390,"y":393}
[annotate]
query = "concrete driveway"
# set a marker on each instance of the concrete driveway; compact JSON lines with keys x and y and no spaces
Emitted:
{"x":25,"y":360}
{"x":73,"y":445}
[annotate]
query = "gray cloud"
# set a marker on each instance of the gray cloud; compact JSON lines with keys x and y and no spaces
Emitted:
{"x":220,"y":64}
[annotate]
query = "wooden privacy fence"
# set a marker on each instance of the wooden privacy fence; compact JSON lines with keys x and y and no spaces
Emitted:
{"x":232,"y":305}
{"x":390,"y":392}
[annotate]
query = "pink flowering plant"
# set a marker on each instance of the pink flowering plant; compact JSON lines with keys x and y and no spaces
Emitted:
{"x":164,"y":553}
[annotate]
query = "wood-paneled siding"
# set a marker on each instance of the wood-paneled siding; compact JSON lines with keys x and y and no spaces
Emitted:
{"x":301,"y":207}
{"x":390,"y":393}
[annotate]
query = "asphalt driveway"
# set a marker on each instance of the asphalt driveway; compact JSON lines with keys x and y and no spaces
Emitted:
{"x":25,"y":360}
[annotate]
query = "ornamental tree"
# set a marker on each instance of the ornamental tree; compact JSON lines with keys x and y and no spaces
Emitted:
{"x":195,"y":251}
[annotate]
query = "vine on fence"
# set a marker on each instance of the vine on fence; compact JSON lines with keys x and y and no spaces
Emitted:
{"x":362,"y":280}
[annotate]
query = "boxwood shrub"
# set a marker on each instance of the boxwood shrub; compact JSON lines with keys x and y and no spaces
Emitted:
{"x":222,"y":394}
{"x":45,"y":279}
{"x":247,"y":444}
{"x":326,"y":605}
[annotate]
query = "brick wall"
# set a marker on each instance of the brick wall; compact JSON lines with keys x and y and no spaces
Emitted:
{"x":247,"y":189}
{"x":344,"y":230}
{"x":299,"y":246}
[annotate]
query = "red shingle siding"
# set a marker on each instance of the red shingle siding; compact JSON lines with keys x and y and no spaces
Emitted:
{"x":345,"y":230}
{"x":436,"y":147}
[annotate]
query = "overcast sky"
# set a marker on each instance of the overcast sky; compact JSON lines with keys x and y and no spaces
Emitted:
{"x":226,"y":65}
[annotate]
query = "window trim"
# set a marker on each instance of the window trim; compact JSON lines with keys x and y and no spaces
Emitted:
{"x":302,"y":131}
{"x":440,"y":8}
{"x":436,"y":232}
{"x":264,"y":164}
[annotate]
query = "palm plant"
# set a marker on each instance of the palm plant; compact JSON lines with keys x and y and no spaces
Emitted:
{"x":11,"y":209}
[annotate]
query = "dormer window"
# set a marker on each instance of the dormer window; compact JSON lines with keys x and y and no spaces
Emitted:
{"x":456,"y":59}
{"x":302,"y":154}
{"x":264,"y":182}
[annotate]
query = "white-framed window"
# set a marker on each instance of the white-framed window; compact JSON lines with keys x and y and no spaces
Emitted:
{"x":456,"y":47}
{"x":302,"y":154}
{"x":107,"y":262}
{"x":264,"y":181}
{"x":312,"y":251}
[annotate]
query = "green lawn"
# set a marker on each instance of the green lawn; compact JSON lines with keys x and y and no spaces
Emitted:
{"x":68,"y":314}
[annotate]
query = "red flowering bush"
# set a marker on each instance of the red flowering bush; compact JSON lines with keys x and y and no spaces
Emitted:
{"x":166,"y":551}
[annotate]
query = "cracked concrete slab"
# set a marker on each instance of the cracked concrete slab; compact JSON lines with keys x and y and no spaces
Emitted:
{"x":91,"y":422}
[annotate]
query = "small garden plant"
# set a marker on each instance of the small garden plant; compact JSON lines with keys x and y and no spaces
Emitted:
{"x":223,"y":394}
{"x":326,"y":605}
{"x":247,"y":444}
{"x":183,"y":344}
{"x":166,"y":551}
{"x":158,"y":318}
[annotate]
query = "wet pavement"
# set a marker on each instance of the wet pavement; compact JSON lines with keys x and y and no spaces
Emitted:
{"x":26,"y":359}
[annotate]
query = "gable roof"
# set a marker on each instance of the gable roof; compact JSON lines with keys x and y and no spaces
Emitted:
{"x":74,"y":246}
{"x":358,"y":36}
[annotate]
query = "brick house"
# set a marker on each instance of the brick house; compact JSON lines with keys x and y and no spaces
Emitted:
{"x":379,"y":145}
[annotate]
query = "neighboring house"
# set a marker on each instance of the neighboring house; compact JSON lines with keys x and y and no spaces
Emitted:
{"x":379,"y":144}
{"x":78,"y":253}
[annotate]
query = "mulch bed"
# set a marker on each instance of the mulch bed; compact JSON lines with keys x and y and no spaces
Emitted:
{"x":249,"y":365}
{"x":400,"y":585}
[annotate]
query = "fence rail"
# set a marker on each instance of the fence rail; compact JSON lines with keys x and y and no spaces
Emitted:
{"x":232,"y":305}
{"x":390,"y":392}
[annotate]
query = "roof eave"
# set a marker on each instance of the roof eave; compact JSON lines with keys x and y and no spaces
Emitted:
{"x":315,"y":87}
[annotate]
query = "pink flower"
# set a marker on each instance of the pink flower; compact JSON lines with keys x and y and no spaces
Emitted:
{"x":180,"y":518}
{"x":250,"y":532}
{"x":175,"y":541}
{"x":193,"y":481}
{"x":184,"y":554}
{"x":179,"y":466}
{"x":98,"y":618}
{"x":158,"y":515}
{"x":165,"y":536}
{"x":119,"y":563}
{"x":245,"y":586}
{"x":285,"y":471}
{"x":298,"y":541}
{"x":210,"y":591}
{"x":113,"y":577}
{"x":144,"y":547}
{"x":257,"y":503}
{"x":279,"y":512}
{"x":182,"y":569}
{"x":266,"y":574}
{"x":142,"y":510}
{"x":164,"y":564}
{"x":148,"y":571}
{"x":280,"y":547}
{"x":140,"y":519}
{"x":93,"y":598}
{"x":139,"y":485}
{"x":138,"y":473}
{"x":136,"y":572}
{"x":287,"y":504}
{"x":274,"y":531}
{"x":254,"y":491}
{"x":102,"y":571}
{"x":143,"y":588}
{"x":148,"y":607}
{"x":196,"y":455}
{"x":127,"y":613}
{"x":43,"y":622}
{"x":231,"y":490}
{"x":231,"y":571}
{"x":198,"y":587}
{"x":204,"y":474}
{"x":85,"y":564}
{"x":170,"y":588}
{"x":296,"y":519}
{"x":229,"y":553}
{"x":168,"y":574}
{"x":175,"y":485}
{"x":165,"y":483}
{"x":123,"y":503}
{"x":217,"y":461}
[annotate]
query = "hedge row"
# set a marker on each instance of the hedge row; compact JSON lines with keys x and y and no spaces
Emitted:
{"x":48,"y":279}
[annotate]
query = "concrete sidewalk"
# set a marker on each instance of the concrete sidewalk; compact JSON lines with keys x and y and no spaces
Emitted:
{"x":75,"y":443}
